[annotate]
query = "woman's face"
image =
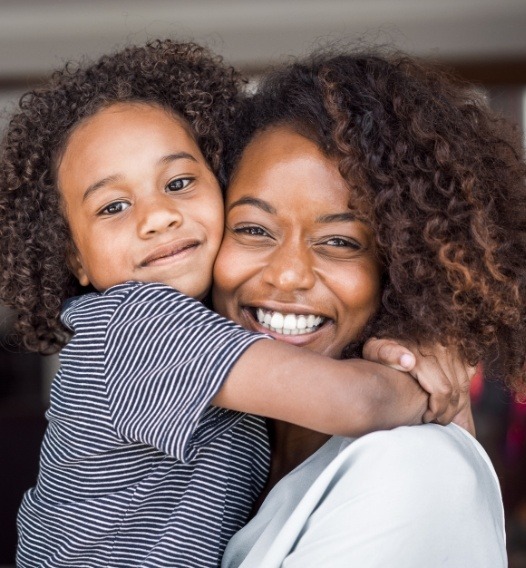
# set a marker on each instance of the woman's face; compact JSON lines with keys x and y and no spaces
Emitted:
{"x":295,"y":261}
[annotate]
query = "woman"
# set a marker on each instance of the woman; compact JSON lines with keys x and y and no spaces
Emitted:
{"x":373,"y":196}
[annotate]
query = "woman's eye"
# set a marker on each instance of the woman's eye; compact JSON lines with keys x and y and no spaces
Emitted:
{"x":115,"y":207}
{"x":251,"y":230}
{"x":341,"y":242}
{"x":178,"y":184}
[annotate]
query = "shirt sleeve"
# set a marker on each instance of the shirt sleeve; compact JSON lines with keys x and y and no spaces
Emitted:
{"x":166,"y":357}
{"x":411,"y":497}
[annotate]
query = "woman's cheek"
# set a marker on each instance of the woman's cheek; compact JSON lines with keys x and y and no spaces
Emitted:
{"x":224,"y":262}
{"x":229,"y":271}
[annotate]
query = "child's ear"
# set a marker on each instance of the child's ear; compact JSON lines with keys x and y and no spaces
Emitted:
{"x":76,"y":267}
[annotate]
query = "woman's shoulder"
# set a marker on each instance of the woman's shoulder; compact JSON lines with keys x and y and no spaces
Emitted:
{"x":421,"y":446}
{"x":418,"y":438}
{"x":432,"y":461}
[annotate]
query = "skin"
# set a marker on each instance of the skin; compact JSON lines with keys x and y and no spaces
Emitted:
{"x":141,"y":201}
{"x":143,"y":205}
{"x":292,"y":244}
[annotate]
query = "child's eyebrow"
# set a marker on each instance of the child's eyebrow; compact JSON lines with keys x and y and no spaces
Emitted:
{"x":114,"y":178}
{"x":177,"y":156}
{"x":98,"y":184}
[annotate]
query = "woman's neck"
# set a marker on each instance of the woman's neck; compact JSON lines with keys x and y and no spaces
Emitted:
{"x":290,"y":445}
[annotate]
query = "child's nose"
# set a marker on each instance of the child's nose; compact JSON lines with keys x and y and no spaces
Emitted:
{"x":158,"y":216}
{"x":290,"y":268}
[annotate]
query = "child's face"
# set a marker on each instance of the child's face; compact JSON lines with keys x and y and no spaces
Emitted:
{"x":141,"y":201}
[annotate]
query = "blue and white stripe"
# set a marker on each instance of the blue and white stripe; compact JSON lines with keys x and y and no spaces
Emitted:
{"x":137,"y":469}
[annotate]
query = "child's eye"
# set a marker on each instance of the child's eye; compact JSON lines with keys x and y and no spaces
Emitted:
{"x":115,"y":207}
{"x":178,"y":184}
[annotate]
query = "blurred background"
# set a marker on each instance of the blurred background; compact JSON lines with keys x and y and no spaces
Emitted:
{"x":483,"y":41}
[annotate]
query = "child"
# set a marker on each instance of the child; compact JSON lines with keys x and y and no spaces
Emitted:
{"x":108,"y":183}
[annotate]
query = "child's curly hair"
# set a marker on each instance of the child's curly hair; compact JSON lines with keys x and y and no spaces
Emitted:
{"x":440,"y":179}
{"x":184,"y":78}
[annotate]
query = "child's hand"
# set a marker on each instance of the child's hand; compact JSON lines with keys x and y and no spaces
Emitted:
{"x":438,"y":370}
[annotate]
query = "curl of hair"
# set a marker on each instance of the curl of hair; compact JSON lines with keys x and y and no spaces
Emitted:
{"x":183,"y":78}
{"x":441,"y":180}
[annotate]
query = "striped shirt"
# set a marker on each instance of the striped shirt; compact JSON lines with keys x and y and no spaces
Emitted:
{"x":136,"y":467}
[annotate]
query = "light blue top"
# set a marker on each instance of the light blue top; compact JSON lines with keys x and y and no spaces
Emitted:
{"x":412,"y":497}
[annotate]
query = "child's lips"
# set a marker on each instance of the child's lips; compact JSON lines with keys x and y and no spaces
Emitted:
{"x":170,"y":251}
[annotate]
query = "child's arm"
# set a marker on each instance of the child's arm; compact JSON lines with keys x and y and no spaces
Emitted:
{"x":167,"y":358}
{"x":346,"y":397}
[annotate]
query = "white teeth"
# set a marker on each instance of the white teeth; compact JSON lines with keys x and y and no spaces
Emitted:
{"x":277,"y":320}
{"x":301,"y":322}
{"x":288,"y":324}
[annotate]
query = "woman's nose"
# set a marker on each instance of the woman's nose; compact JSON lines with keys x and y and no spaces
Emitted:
{"x":290,"y":268}
{"x":157,"y":216}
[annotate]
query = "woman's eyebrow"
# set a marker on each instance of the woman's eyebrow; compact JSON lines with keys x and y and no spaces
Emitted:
{"x":255,"y":202}
{"x":336,"y":217}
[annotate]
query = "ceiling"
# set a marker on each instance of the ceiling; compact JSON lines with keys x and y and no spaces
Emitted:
{"x":38,"y":35}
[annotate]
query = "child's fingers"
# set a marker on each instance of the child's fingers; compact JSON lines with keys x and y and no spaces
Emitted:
{"x":437,"y":376}
{"x":443,"y":400}
{"x":438,"y":369}
{"x":390,"y":353}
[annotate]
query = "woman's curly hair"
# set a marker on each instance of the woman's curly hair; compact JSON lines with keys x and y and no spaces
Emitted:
{"x":439,"y":177}
{"x":183,"y":78}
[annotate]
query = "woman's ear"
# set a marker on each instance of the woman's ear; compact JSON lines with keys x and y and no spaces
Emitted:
{"x":76,"y":266}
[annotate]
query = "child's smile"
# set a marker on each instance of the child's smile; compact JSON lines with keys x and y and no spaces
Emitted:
{"x":141,"y":201}
{"x":165,"y":254}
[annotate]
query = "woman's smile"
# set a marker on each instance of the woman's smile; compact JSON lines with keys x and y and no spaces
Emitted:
{"x":297,"y":325}
{"x":289,"y":323}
